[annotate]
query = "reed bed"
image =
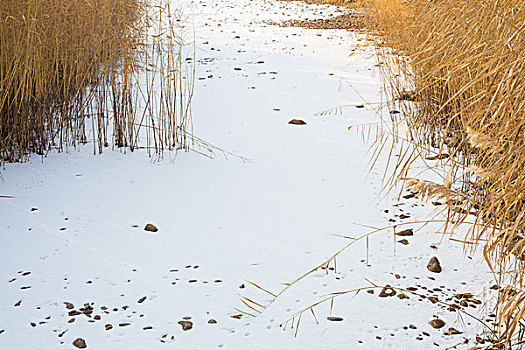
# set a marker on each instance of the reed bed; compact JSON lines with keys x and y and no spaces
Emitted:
{"x":457,"y":71}
{"x":106,"y":72}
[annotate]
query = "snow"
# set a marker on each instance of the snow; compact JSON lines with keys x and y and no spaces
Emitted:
{"x":268,"y":217}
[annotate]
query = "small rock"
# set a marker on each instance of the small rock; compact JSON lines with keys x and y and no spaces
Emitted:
{"x":80,"y":343}
{"x":387,"y":291}
{"x":334,"y":318}
{"x":212,"y":321}
{"x":69,"y":306}
{"x":141,"y":300}
{"x":407,"y":232}
{"x":18,"y":303}
{"x":150,"y":228}
{"x":452,"y":331}
{"x":108,"y":326}
{"x":238,"y":316}
{"x":434,"y":265}
{"x":437,"y":323}
{"x":124,"y":324}
{"x":403,"y":296}
{"x":186,"y":325}
{"x":403,"y":242}
{"x":297,"y":122}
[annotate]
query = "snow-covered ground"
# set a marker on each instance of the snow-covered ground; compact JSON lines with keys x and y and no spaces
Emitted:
{"x":73,"y":231}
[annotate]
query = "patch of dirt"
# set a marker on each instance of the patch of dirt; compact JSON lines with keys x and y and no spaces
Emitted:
{"x":351,"y":20}
{"x":327,"y":2}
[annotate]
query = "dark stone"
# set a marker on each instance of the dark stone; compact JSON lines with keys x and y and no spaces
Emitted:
{"x":434,"y":265}
{"x":437,"y":323}
{"x":297,"y":122}
{"x":150,"y":228}
{"x":80,"y":343}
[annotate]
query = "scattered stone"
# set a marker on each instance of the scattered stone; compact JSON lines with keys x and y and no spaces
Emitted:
{"x":334,"y":318}
{"x":26,"y":273}
{"x":452,"y":331}
{"x":238,"y":316}
{"x":297,"y":122}
{"x":73,"y":313}
{"x":71,"y":320}
{"x":387,"y":291}
{"x":434,"y":265}
{"x":86,"y":310}
{"x":80,"y":343}
{"x":412,"y":326}
{"x":97,"y":317}
{"x":69,"y":306}
{"x":212,"y":321}
{"x":186,"y":325}
{"x":141,"y":300}
{"x":33,"y":324}
{"x":147,"y":328}
{"x":18,"y":303}
{"x":108,"y":326}
{"x":437,"y":323}
{"x":433,"y":300}
{"x":403,"y":242}
{"x":242,"y":286}
{"x":407,"y":232}
{"x":124,"y":324}
{"x":403,"y":296}
{"x":150,"y":228}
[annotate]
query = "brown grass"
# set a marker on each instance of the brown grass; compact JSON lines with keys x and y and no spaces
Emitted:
{"x":461,"y":65}
{"x":82,"y":71}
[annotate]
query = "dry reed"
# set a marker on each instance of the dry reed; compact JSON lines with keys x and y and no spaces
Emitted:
{"x":457,"y":69}
{"x":91,"y":71}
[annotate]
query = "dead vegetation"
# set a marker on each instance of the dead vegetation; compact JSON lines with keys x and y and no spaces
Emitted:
{"x":457,"y":71}
{"x":105,"y":72}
